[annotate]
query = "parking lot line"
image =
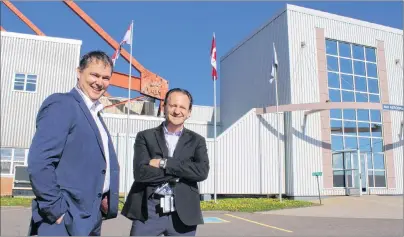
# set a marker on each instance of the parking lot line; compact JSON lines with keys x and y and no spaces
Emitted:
{"x":273,"y":227}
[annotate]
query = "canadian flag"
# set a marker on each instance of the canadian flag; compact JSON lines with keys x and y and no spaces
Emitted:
{"x":127,"y":39}
{"x":213,"y":58}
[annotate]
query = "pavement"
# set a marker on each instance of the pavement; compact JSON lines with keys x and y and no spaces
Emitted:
{"x":371,"y":216}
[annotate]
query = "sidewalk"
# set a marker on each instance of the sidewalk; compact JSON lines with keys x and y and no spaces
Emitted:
{"x":373,"y":207}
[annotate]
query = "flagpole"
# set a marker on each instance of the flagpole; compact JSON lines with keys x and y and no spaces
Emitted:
{"x":128,"y":112}
{"x":277,"y":128}
{"x":215,"y":136}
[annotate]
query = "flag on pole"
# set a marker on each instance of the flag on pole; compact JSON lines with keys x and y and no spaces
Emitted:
{"x":274,"y":64}
{"x":213,"y":58}
{"x":126,"y":40}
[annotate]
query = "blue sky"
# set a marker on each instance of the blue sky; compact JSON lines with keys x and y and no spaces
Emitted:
{"x":173,"y":39}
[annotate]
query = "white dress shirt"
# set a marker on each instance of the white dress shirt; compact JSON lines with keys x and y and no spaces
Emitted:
{"x":95,"y":108}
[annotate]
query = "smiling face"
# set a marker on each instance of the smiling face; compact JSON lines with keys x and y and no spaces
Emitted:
{"x":93,"y":80}
{"x":177,"y":110}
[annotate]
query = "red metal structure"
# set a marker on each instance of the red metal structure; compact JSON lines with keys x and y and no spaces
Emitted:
{"x":149,"y":83}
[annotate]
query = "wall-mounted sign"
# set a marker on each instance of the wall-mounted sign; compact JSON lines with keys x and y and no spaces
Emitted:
{"x":393,"y":107}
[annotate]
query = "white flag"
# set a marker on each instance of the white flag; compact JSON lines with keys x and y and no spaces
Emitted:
{"x":274,"y":65}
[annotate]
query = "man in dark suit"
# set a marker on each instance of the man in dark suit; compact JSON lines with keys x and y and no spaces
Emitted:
{"x":169,"y":162}
{"x":72,"y":164}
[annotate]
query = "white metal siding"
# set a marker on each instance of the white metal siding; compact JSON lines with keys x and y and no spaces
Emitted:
{"x":118,"y":124}
{"x":245,"y":72}
{"x":53,"y":62}
{"x":204,"y":113}
{"x":398,"y":147}
{"x":303,"y":67}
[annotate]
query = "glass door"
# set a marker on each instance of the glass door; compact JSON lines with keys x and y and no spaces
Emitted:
{"x":347,"y":171}
{"x":364,"y":173}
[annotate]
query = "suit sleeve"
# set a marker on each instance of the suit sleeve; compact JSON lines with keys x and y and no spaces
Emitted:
{"x":145,"y":173}
{"x":196,"y":170}
{"x":53,"y":124}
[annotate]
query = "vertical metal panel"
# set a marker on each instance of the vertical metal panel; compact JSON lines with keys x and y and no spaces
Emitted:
{"x":53,"y":60}
{"x":303,"y":78}
{"x":245,"y":72}
{"x":397,"y":119}
{"x":204,"y":113}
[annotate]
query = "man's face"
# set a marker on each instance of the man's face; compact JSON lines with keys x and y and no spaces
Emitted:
{"x":94,"y":80}
{"x":177,"y":108}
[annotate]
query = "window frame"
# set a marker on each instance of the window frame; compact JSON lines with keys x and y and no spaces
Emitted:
{"x":26,"y":75}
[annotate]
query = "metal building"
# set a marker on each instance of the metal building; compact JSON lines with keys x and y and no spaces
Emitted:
{"x":340,"y":86}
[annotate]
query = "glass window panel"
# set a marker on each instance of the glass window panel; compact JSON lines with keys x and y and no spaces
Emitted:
{"x":19,"y":155}
{"x":331,"y":47}
{"x":348,"y":96}
{"x":359,"y":68}
{"x":20,"y":76}
{"x":31,"y":87}
{"x":6,"y":153}
{"x":336,"y":113}
{"x":336,"y":143}
{"x":347,"y":82}
{"x":374,"y":98}
{"x":334,"y":95}
{"x":380,"y":179}
{"x":345,"y":65}
{"x":337,"y":162}
{"x":364,"y":129}
{"x":350,"y":128}
{"x":350,"y":143}
{"x":361,"y":97}
{"x":364,"y":144}
{"x":370,"y":178}
{"x":370,"y":54}
{"x":31,"y":77}
{"x":377,"y":145}
{"x":378,"y":161}
{"x":333,"y":80}
{"x":336,"y":126}
{"x":375,"y":115}
{"x":363,"y":114}
{"x":349,"y":114}
{"x":5,"y":167}
{"x":338,"y":179}
{"x":348,"y":175}
{"x":360,"y":84}
{"x":358,"y":52}
{"x":17,"y":80}
{"x":332,"y":63}
{"x":371,"y":69}
{"x":369,"y":160}
{"x":344,"y":49}
{"x":373,"y":86}
{"x":18,"y":86}
{"x":376,"y":130}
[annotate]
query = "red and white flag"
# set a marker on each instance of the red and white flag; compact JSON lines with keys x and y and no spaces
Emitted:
{"x":213,"y":58}
{"x":127,"y":39}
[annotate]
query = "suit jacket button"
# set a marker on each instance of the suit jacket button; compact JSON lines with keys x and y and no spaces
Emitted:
{"x":99,"y":195}
{"x":103,"y":172}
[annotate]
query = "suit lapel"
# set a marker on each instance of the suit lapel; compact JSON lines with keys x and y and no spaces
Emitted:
{"x":90,"y":118}
{"x":159,"y":133}
{"x":184,"y":139}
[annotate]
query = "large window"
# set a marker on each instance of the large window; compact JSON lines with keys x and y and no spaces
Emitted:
{"x":11,"y":157}
{"x":353,"y":77}
{"x":25,"y":82}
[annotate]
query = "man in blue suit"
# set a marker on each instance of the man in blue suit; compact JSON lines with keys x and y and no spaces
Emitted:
{"x":72,"y":164}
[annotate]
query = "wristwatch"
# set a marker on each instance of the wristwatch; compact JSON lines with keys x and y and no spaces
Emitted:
{"x":163,"y":163}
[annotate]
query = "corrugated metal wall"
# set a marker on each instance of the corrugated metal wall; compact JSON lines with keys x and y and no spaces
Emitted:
{"x":302,"y":24}
{"x":118,"y":124}
{"x":53,"y":62}
{"x":247,"y":156}
{"x":246,"y":70}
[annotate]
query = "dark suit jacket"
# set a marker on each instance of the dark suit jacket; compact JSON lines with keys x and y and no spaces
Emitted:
{"x":190,"y":163}
{"x":66,"y":165}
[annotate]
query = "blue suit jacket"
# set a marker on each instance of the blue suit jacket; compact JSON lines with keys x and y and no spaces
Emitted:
{"x":66,"y":165}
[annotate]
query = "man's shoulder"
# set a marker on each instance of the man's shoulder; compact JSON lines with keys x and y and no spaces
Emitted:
{"x":195,"y":135}
{"x":148,"y":131}
{"x":59,"y":98}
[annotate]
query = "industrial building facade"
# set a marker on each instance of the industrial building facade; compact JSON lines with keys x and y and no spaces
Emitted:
{"x":340,"y":85}
{"x":337,"y":81}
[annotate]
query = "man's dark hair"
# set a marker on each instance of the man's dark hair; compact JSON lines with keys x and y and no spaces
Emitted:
{"x":97,"y":55}
{"x":185,"y":92}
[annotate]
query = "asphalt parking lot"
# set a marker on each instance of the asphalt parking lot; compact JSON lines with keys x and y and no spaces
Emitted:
{"x":323,"y":220}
